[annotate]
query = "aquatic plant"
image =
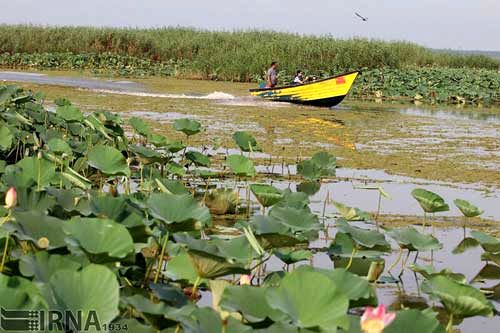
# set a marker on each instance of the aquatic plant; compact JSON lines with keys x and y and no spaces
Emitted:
{"x":146,"y":229}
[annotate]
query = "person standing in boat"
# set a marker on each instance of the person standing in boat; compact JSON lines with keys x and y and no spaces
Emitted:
{"x":272,"y":75}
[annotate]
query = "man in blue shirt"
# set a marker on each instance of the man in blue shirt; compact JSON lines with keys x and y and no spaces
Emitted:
{"x":272,"y":75}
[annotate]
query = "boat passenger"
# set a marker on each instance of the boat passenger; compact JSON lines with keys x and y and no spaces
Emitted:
{"x":299,"y":78}
{"x":272,"y":75}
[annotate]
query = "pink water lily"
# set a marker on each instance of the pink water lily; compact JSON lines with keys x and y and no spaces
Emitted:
{"x":11,"y":198}
{"x":245,"y":279}
{"x":374,"y":320}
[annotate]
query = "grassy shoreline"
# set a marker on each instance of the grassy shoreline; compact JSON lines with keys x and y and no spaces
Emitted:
{"x":432,"y":85}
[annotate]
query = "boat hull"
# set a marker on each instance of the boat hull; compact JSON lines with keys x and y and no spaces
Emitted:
{"x":326,"y":92}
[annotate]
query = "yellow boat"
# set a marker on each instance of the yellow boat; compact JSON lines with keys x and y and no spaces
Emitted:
{"x":326,"y":92}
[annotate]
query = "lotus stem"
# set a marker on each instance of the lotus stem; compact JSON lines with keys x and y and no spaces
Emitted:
{"x":4,"y":255}
{"x":160,"y":262}
{"x":449,"y":326}
{"x":178,"y":328}
{"x":378,"y":209}
{"x":195,"y":287}
{"x":423,"y":224}
{"x":327,"y":200}
{"x":397,"y":260}
{"x":349,"y":264}
{"x":248,"y":200}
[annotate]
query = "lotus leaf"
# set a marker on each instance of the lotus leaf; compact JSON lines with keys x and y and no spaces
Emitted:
{"x":351,"y":213}
{"x":187,"y":126}
{"x":108,"y":160}
{"x":468,"y":209}
{"x":100,"y":236}
{"x":246,"y":141}
{"x":241,"y":165}
{"x":198,"y":158}
{"x":94,"y":288}
{"x":429,"y":201}
{"x":69,"y":113}
{"x":266,"y":194}
{"x":365,"y":238}
{"x":461,"y":300}
{"x":178,"y":208}
{"x":413,"y":240}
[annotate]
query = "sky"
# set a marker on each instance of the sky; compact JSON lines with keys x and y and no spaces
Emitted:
{"x":454,"y":24}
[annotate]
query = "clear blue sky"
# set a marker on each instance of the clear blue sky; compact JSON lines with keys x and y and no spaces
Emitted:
{"x":457,"y":24}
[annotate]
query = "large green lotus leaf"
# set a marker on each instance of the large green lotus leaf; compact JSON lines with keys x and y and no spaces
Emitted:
{"x":284,"y":328}
{"x":180,"y":268}
{"x":208,"y":259}
{"x":69,"y":113}
{"x":415,"y":321}
{"x":291,"y":256}
{"x":174,"y":168}
{"x":108,"y":160}
{"x":34,"y":225}
{"x":198,"y":158}
{"x":59,"y":146}
{"x":321,"y":164}
{"x":42,"y":265}
{"x":169,"y":293}
{"x":100,"y":236}
{"x":465,"y":244}
{"x":207,"y":320}
{"x":296,"y":219}
{"x":326,"y":162}
{"x":488,"y":256}
{"x":411,"y":239}
{"x":349,"y":284}
{"x":6,"y":138}
{"x":461,"y":300}
{"x":309,"y":170}
{"x":249,"y":301}
{"x":134,"y":326}
{"x":146,"y":155}
{"x":468,"y":209}
{"x":94,"y":288}
{"x":246,"y":141}
{"x":267,"y":195}
{"x":172,"y":208}
{"x":40,"y":171}
{"x":429,"y":201}
{"x":343,"y":246}
{"x":488,"y":243}
{"x":172,"y":186}
{"x":308,"y":305}
{"x":351,"y":213}
{"x":488,"y":272}
{"x":106,"y":206}
{"x":237,"y":249}
{"x":310,"y":187}
{"x":241,"y":165}
{"x":364,"y":237}
{"x":144,"y":305}
{"x":429,"y":271}
{"x":140,"y":126}
{"x":187,"y":126}
{"x":297,"y":200}
{"x":18,"y":293}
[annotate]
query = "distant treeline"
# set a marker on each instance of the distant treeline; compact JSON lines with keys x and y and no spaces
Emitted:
{"x":238,"y":56}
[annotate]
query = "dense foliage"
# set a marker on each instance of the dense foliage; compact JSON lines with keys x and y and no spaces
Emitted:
{"x":127,"y":224}
{"x":232,"y":55}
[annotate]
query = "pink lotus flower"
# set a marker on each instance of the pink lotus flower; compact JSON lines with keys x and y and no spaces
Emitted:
{"x":374,"y":320}
{"x":11,"y":198}
{"x":245,"y":279}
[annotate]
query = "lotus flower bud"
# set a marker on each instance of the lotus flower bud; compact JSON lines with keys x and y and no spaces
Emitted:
{"x":245,"y":279}
{"x":374,"y":320}
{"x":43,"y":243}
{"x":11,"y":198}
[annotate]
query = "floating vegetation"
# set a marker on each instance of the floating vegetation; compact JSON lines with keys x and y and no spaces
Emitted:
{"x":145,"y":231}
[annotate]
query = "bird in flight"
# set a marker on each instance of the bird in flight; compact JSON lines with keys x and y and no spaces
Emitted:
{"x":361,"y":17}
